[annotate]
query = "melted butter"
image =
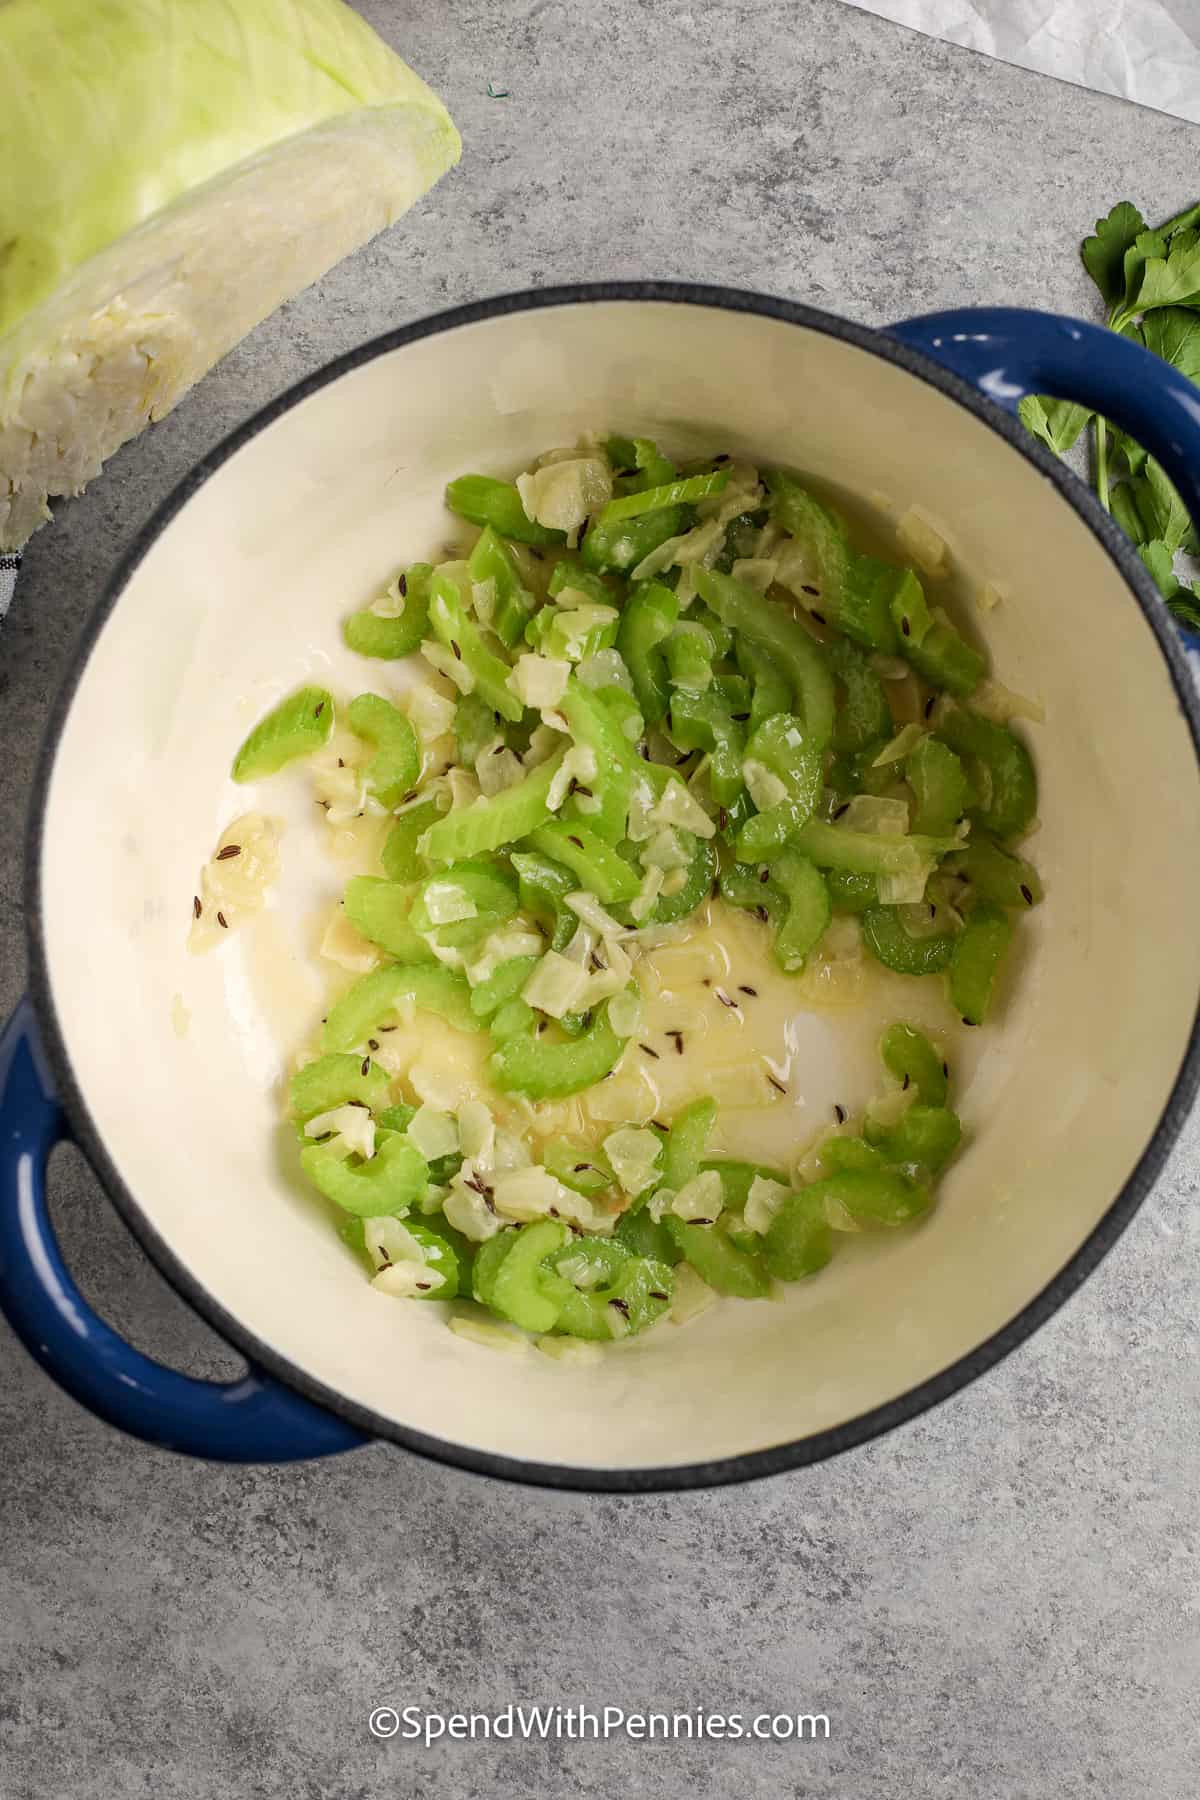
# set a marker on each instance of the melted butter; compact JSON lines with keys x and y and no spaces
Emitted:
{"x":816,"y":1036}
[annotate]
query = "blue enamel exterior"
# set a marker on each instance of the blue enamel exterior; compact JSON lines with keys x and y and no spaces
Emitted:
{"x":1004,"y":354}
{"x":252,"y":1420}
{"x":1008,"y":353}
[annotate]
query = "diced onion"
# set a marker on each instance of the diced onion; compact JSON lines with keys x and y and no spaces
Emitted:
{"x":902,"y":745}
{"x":876,"y":814}
{"x":447,"y":664}
{"x":919,"y":541}
{"x":434,"y":1133}
{"x":556,"y":985}
{"x":763,"y":1202}
{"x":678,"y":807}
{"x":691,"y":1297}
{"x":489,"y":1337}
{"x":700,"y":1198}
{"x":539,"y":681}
{"x":633,"y":1156}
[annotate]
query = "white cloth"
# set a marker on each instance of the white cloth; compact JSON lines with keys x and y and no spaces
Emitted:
{"x":1143,"y":50}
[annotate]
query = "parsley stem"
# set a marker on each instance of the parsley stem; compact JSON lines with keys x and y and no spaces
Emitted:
{"x":1102,"y":463}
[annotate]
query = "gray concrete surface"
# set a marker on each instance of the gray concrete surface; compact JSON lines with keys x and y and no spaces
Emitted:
{"x":1000,"y":1600}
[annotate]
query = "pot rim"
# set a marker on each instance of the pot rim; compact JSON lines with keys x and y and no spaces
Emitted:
{"x":745,"y":1465}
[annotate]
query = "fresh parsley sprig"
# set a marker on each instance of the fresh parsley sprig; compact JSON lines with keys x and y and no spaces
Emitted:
{"x":1150,"y":283}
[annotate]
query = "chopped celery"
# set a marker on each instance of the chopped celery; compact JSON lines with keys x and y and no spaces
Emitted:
{"x":808,"y":909}
{"x":513,"y":813}
{"x":382,"y":1187}
{"x":866,"y":852}
{"x":514,"y":605}
{"x":543,"y":886}
{"x":699,"y":876}
{"x":978,"y":953}
{"x":1012,"y":783}
{"x":783,"y":748}
{"x":935,"y":775}
{"x":891,"y":943}
{"x":798,"y":1241}
{"x":633,"y":1291}
{"x":373,"y":634}
{"x":401,"y":859}
{"x":866,"y":1199}
{"x":373,"y":1000}
{"x":863,"y":716}
{"x":393,"y":771}
{"x":926,"y":1135}
{"x":705,"y":721}
{"x":464,"y":902}
{"x":649,"y":617}
{"x":671,"y":493}
{"x":296,"y":727}
{"x":453,"y":627}
{"x":487,"y":997}
{"x":379,"y":910}
{"x":510,"y":1278}
{"x":780,"y":635}
{"x":485,"y":501}
{"x":547,"y":1071}
{"x":586,"y":1171}
{"x":597,"y":866}
{"x":440,"y":1256}
{"x":583,"y":582}
{"x":912,"y":1059}
{"x":474,"y":728}
{"x":742,"y":886}
{"x":996,"y":875}
{"x":333,"y":1080}
{"x":626,"y":543}
{"x":689,"y":1133}
{"x":717,"y":1259}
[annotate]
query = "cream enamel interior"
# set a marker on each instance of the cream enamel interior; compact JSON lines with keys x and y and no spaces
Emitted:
{"x":238,"y":600}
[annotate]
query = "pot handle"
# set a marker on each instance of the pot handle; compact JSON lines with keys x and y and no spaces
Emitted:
{"x":251,"y":1420}
{"x":1008,"y":352}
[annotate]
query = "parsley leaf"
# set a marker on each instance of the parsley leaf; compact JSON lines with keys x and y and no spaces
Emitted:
{"x":1172,"y":279}
{"x":1169,"y":513}
{"x":1123,"y":504}
{"x":1150,"y":281}
{"x":1104,"y":254}
{"x":1057,"y":422}
{"x":1173,"y":332}
{"x":1159,"y":561}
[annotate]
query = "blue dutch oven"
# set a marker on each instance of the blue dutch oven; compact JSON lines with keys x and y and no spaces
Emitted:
{"x":166,"y":1068}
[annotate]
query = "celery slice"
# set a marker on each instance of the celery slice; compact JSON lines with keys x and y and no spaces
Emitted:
{"x":373,"y":1000}
{"x":488,"y":824}
{"x":296,"y":727}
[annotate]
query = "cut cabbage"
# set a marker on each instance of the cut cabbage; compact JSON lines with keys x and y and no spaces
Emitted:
{"x":170,"y":174}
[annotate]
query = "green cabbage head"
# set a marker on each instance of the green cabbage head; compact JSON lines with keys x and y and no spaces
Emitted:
{"x":170,"y":172}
